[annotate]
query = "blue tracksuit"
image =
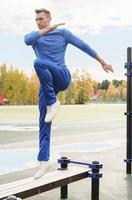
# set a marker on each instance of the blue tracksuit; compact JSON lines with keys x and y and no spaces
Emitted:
{"x":53,"y":74}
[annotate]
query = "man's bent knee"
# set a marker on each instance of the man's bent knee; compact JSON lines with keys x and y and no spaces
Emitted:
{"x":39,"y":64}
{"x":36,"y":63}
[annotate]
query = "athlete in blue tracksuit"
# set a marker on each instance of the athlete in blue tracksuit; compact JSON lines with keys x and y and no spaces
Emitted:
{"x":49,"y":44}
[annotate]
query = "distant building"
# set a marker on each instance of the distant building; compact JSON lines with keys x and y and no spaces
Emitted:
{"x":4,"y":101}
{"x":97,"y":95}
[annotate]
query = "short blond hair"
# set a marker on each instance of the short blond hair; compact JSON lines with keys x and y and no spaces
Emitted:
{"x":47,"y":12}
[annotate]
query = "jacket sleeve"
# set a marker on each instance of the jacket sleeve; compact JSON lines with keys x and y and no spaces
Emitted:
{"x":31,"y":38}
{"x":74,"y":40}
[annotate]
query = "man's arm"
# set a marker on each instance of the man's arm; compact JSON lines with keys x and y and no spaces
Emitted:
{"x":72,"y":39}
{"x":32,"y":37}
{"x":49,"y":28}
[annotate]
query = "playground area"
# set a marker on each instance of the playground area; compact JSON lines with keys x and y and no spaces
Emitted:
{"x":81,"y":132}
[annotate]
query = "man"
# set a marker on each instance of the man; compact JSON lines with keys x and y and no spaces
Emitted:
{"x":49,"y":44}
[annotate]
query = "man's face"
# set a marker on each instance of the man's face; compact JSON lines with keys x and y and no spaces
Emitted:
{"x":42,"y":20}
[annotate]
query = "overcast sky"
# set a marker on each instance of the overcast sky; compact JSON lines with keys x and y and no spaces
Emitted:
{"x":106,"y":25}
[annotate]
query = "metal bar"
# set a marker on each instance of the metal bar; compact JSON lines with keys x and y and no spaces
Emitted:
{"x":129,"y":160}
{"x":129,"y":110}
{"x":64,"y":192}
{"x":80,"y":163}
{"x":95,"y":184}
{"x":92,"y":166}
{"x":64,"y":189}
{"x":130,"y":113}
{"x":64,"y":161}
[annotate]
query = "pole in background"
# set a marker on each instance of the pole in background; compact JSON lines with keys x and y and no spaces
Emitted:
{"x":128,"y":66}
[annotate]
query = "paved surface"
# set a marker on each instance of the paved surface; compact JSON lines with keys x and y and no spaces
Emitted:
{"x":108,"y":134}
{"x":115,"y":184}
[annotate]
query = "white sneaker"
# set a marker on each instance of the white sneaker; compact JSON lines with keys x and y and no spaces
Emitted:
{"x":52,"y":111}
{"x":42,"y":169}
{"x":13,"y":198}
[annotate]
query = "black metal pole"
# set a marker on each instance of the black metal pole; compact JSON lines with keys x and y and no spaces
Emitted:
{"x":64,"y":189}
{"x":64,"y":192}
{"x":95,"y":184}
{"x":129,"y":111}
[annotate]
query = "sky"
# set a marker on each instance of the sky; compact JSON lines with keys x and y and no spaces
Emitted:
{"x":106,"y":25}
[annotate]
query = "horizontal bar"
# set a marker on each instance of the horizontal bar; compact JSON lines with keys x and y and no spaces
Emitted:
{"x":92,"y":166}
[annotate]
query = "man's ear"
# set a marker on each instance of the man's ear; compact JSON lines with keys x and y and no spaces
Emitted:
{"x":50,"y":18}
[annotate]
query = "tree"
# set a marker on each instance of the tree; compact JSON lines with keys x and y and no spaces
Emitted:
{"x":104,"y":96}
{"x":3,"y":75}
{"x":96,"y":86}
{"x":111,"y":92}
{"x":20,"y":89}
{"x":116,"y":83}
{"x":33,"y":89}
{"x":16,"y":86}
{"x":105,"y":85}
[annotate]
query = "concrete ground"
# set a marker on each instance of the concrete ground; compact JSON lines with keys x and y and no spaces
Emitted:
{"x":106,"y":131}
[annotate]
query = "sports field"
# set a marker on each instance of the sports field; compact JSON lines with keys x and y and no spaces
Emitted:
{"x":71,"y":120}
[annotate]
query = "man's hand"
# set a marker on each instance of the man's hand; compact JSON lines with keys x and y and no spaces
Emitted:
{"x":49,"y":28}
{"x":52,"y":27}
{"x":107,"y":67}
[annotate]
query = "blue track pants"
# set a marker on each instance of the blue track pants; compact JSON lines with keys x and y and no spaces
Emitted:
{"x":53,"y":79}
